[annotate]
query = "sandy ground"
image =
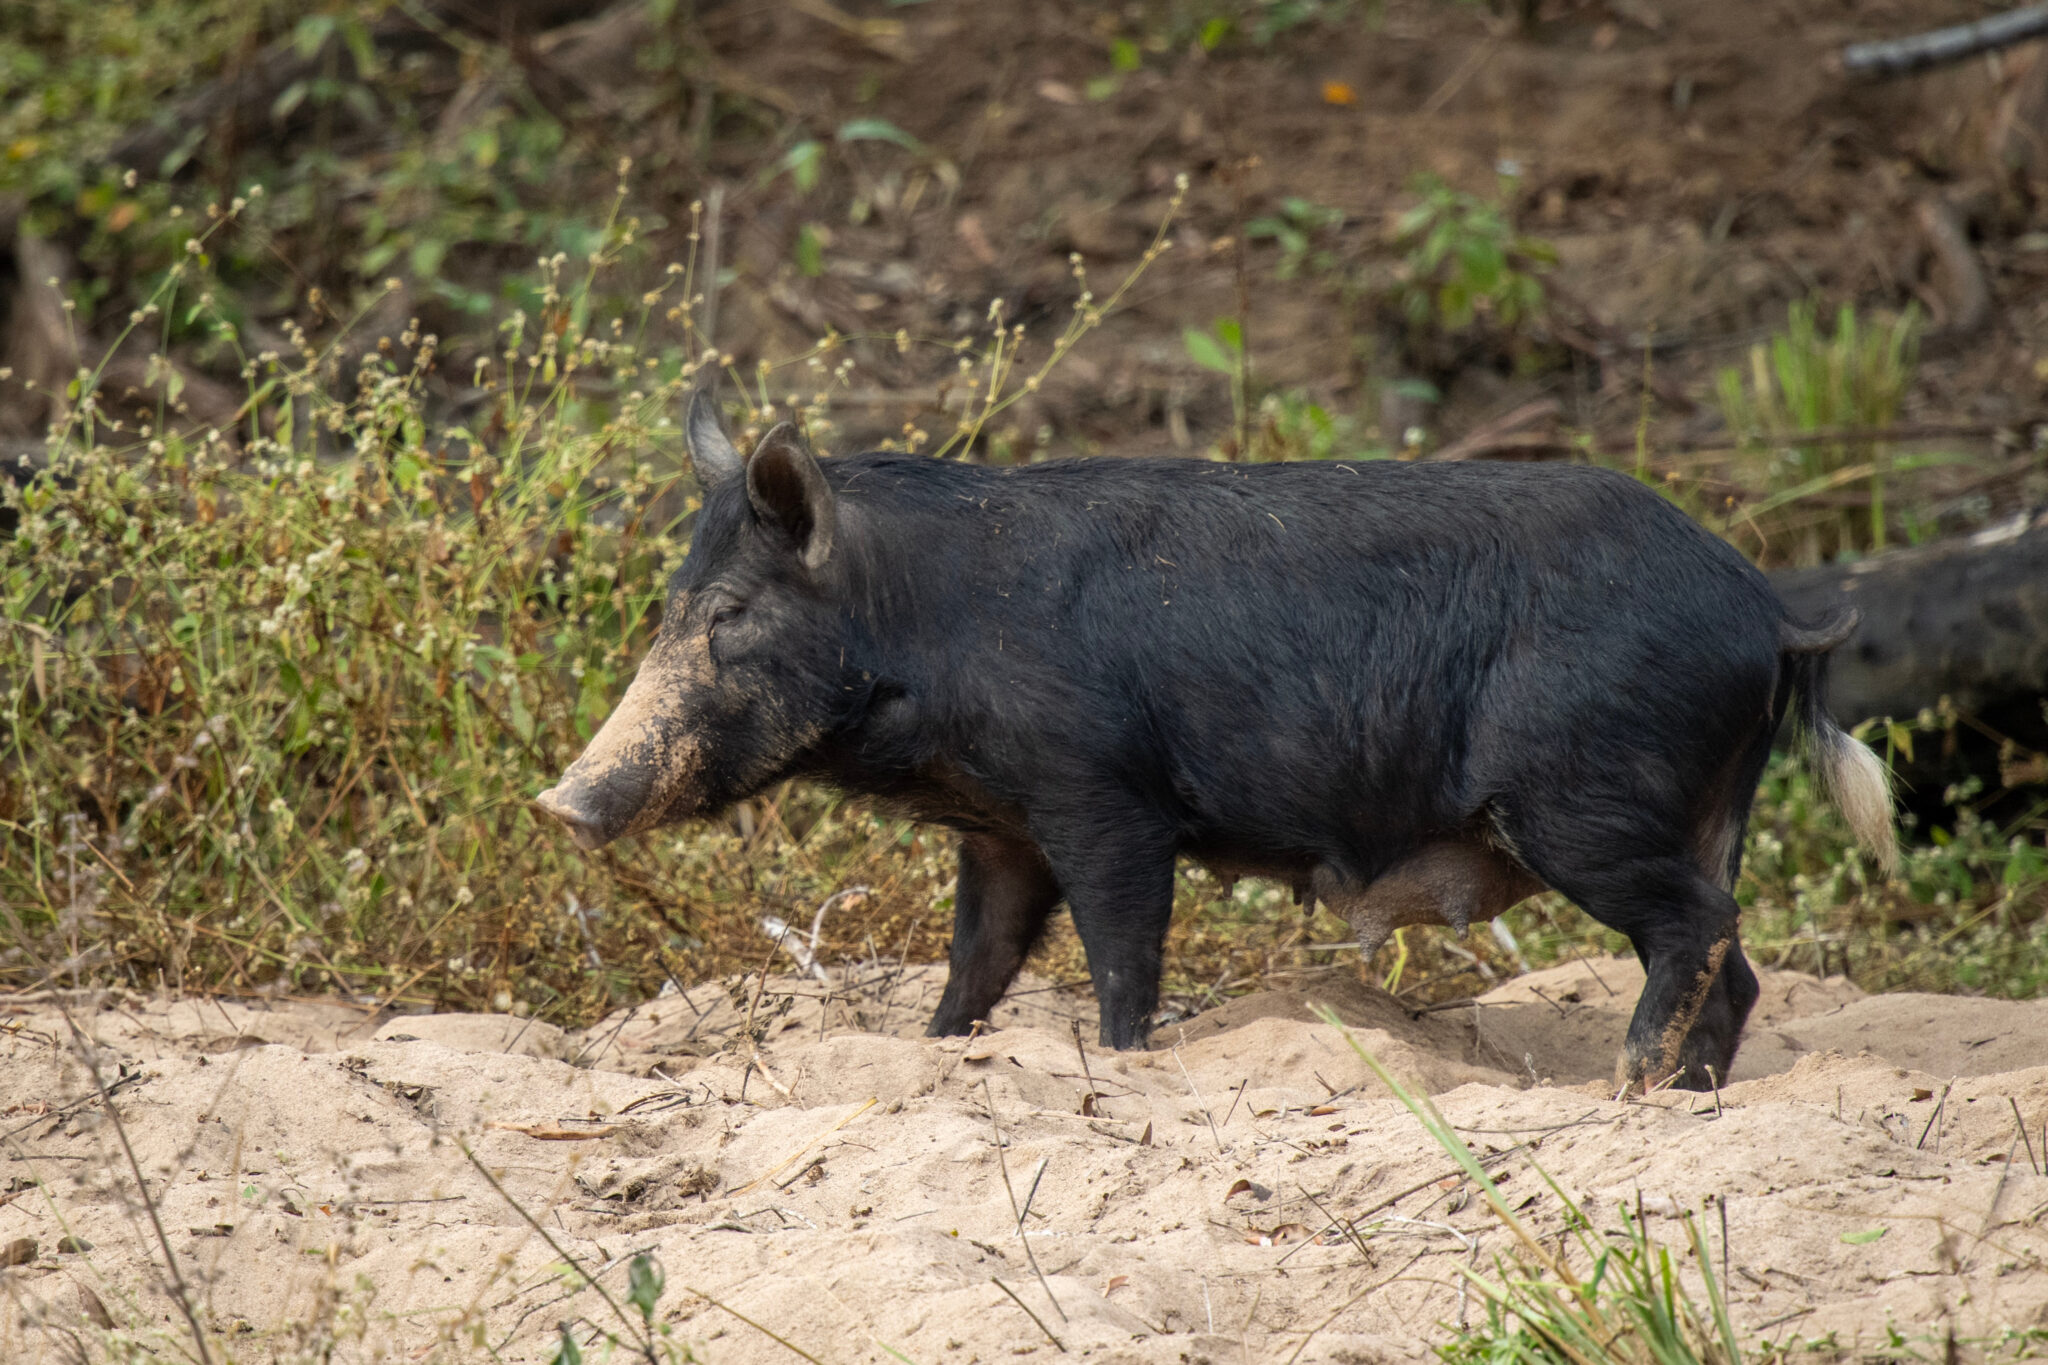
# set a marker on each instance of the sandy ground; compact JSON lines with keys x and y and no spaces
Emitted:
{"x":311,"y":1166}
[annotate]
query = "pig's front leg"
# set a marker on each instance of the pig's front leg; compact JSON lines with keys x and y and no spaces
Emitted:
{"x":1000,"y":905}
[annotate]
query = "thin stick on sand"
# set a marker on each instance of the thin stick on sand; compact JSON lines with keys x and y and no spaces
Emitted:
{"x":1200,"y":1103}
{"x":179,"y":1292}
{"x":783,"y":1164}
{"x":2021,"y":1123}
{"x":1029,"y":1314}
{"x":567,"y":1257}
{"x":1032,"y":1193}
{"x":1075,"y":1024}
{"x":1017,"y":1209}
{"x":1934,"y":1118}
{"x":778,"y":1340}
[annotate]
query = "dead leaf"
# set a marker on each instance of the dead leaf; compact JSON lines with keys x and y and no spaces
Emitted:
{"x":95,"y":1311}
{"x":1088,"y":1105}
{"x":975,"y":237}
{"x":20,"y":1251}
{"x":1059,"y":92}
{"x":555,"y":1132}
{"x":1321,"y":1110}
{"x":1919,"y":1094}
{"x":1116,"y":1282}
{"x":1239,"y":1188}
{"x":1145,"y":1138}
{"x":1339,"y":92}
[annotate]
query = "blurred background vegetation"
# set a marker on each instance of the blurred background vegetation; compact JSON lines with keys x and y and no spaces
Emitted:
{"x":341,"y":348}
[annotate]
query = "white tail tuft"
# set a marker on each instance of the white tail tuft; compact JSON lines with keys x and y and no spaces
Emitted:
{"x":1861,"y":788}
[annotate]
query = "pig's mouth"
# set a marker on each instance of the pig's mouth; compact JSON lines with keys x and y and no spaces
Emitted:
{"x":627,"y":797}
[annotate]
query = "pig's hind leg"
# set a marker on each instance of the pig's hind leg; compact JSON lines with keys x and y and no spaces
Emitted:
{"x":1000,"y":905}
{"x":1647,"y":844}
{"x":1698,"y":992}
{"x":1699,"y":987}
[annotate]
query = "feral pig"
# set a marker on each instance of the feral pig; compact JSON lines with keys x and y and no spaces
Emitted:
{"x":1420,"y":692}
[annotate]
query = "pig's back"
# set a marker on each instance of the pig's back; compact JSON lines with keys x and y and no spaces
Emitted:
{"x":1212,"y":632}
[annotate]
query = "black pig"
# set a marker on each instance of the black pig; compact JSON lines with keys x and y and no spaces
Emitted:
{"x":1420,"y":692}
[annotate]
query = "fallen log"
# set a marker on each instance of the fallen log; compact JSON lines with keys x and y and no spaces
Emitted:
{"x":1963,"y":619}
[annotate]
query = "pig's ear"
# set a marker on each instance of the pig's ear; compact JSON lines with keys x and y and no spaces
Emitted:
{"x":788,"y":490}
{"x":711,"y":454}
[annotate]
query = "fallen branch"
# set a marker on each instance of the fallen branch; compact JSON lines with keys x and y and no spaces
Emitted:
{"x":1509,"y":435}
{"x":783,"y":1164}
{"x":1943,"y":46}
{"x":1003,"y":1164}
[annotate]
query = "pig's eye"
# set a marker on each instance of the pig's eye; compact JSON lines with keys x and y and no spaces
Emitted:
{"x":725,"y":613}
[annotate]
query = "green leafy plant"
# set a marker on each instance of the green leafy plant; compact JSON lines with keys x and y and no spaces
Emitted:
{"x":1216,"y":349}
{"x":1212,"y":26}
{"x":801,"y":163}
{"x":1465,"y":260}
{"x":1260,"y":22}
{"x":1809,"y":405}
{"x":439,"y":203}
{"x":289,"y":681}
{"x":1628,"y":1306}
{"x":1221,"y":349}
{"x":287,"y":686}
{"x":1296,"y":229}
{"x":1125,"y":57}
{"x":1292,"y":426}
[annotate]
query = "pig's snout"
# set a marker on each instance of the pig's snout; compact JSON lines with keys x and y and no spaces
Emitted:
{"x":639,"y":769}
{"x":574,"y":804}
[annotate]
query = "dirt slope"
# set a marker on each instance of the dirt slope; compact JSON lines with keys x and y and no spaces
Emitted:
{"x":1696,"y":166}
{"x":308,"y":1162}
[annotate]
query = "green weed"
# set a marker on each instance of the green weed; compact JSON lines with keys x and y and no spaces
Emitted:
{"x":1219,"y":25}
{"x":459,"y":210}
{"x":279,"y":694}
{"x":1298,"y":229}
{"x":1290,"y":425}
{"x":1465,"y":260}
{"x":1840,"y":388}
{"x":1628,"y":1306}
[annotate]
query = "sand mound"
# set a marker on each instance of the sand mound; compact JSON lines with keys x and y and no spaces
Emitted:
{"x":839,"y":1180}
